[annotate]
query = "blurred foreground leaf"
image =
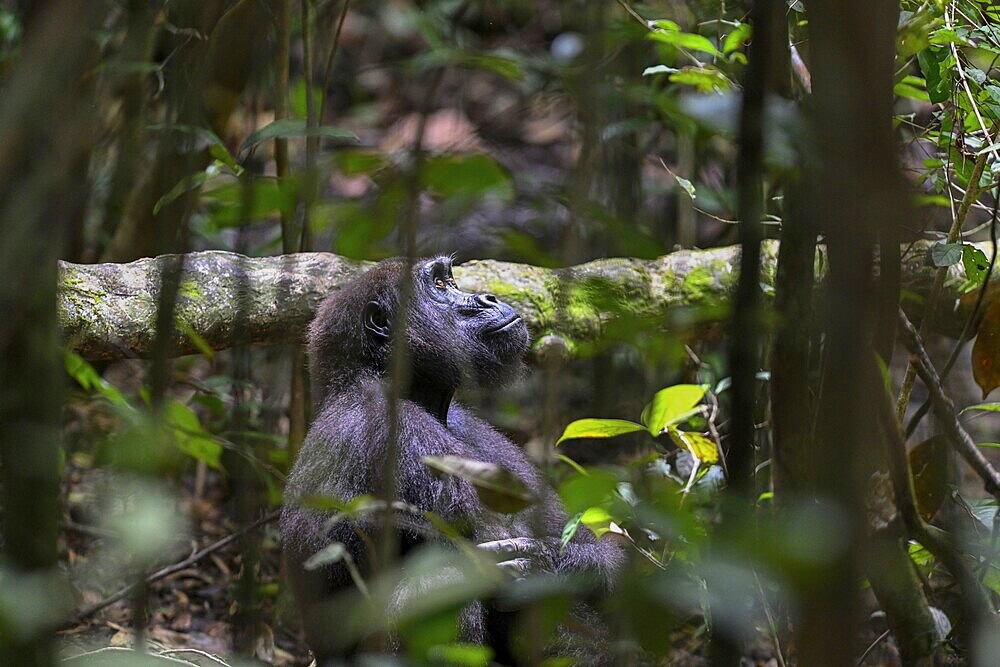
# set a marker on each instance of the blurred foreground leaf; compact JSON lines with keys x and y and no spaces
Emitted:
{"x":986,"y":350}
{"x":499,"y":488}
{"x":294,"y":127}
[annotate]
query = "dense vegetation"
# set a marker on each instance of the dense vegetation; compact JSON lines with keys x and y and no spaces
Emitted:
{"x":791,"y":438}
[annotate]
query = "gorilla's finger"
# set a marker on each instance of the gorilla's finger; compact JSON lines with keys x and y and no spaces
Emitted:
{"x":514,"y":547}
{"x":516,"y":567}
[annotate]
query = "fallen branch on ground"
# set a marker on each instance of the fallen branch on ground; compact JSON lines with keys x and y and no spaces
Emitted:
{"x":175,"y":567}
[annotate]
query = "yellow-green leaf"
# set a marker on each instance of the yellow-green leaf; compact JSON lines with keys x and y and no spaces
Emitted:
{"x":598,"y":428}
{"x":671,"y":406}
{"x":983,"y":407}
{"x":499,"y":488}
{"x":701,"y":448}
{"x":597,"y":520}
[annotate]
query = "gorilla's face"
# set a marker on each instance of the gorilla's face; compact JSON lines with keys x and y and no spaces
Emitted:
{"x":480,"y":317}
{"x":483,"y":333}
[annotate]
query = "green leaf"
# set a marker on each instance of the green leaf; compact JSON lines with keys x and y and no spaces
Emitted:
{"x":499,"y":488}
{"x":190,"y":436}
{"x":736,"y":38}
{"x":701,"y":448}
{"x":328,"y":555}
{"x":706,"y":79}
{"x":946,"y":254}
{"x":687,"y":186}
{"x":227,"y":203}
{"x":597,"y":520}
{"x":671,"y":406}
{"x":580,"y":492}
{"x":469,"y":655}
{"x":944,"y":36}
{"x":938,"y":79}
{"x":684,"y":40}
{"x":598,"y":428}
{"x":505,"y":66}
{"x":192,"y":182}
{"x":293,"y":127}
{"x":298,"y":98}
{"x":912,"y":92}
{"x":569,"y":531}
{"x":976,"y":264}
{"x":976,"y":74}
{"x":357,"y":162}
{"x":88,"y":378}
{"x":470,"y":175}
{"x":994,"y":445}
{"x":982,"y":407}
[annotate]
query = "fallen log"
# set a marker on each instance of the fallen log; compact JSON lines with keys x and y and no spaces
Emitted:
{"x":108,"y":311}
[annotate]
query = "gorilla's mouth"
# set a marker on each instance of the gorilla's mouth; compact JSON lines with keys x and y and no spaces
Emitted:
{"x":504,"y":325}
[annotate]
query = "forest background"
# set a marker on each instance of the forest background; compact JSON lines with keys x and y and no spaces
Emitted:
{"x":753,"y":242}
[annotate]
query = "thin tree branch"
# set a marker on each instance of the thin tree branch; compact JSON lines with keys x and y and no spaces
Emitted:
{"x":944,"y":409}
{"x":164,"y":572}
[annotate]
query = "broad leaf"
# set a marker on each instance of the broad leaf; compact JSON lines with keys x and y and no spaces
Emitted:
{"x":938,"y":78}
{"x":946,"y":254}
{"x":190,"y":436}
{"x":499,"y":488}
{"x":569,"y":531}
{"x":668,"y":33}
{"x":328,"y":555}
{"x":88,"y":378}
{"x":975,"y":262}
{"x":701,"y":448}
{"x":469,"y":175}
{"x":671,"y":406}
{"x":598,"y":428}
{"x":986,"y":350}
{"x":929,"y":467}
{"x":597,"y":520}
{"x":293,"y":127}
{"x":736,"y":38}
{"x":706,"y":79}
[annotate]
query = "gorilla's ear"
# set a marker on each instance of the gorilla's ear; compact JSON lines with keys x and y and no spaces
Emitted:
{"x":376,"y":320}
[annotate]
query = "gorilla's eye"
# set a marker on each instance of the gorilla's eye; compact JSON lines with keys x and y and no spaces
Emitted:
{"x":440,"y":282}
{"x":451,"y":281}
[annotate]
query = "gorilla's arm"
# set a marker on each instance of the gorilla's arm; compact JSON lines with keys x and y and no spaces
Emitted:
{"x":540,"y":527}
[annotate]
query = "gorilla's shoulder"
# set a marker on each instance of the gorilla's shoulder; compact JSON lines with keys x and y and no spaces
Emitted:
{"x":463,"y":422}
{"x":486,"y":443}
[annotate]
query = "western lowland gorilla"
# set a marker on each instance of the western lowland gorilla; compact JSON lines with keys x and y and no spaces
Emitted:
{"x":452,"y":337}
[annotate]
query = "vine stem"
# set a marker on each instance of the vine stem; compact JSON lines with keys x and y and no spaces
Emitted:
{"x":971,"y":194}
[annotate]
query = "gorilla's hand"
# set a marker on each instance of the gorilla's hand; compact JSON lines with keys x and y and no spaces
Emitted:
{"x":519,"y":556}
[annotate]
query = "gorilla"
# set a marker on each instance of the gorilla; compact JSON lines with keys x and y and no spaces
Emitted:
{"x":452,"y":338}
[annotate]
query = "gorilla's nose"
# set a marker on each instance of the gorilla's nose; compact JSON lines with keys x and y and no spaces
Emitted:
{"x":487,"y":300}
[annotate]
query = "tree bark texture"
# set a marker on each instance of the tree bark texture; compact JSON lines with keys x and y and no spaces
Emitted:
{"x":108,"y":311}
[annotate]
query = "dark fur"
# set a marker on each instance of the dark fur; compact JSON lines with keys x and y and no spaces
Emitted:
{"x":343,"y":454}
